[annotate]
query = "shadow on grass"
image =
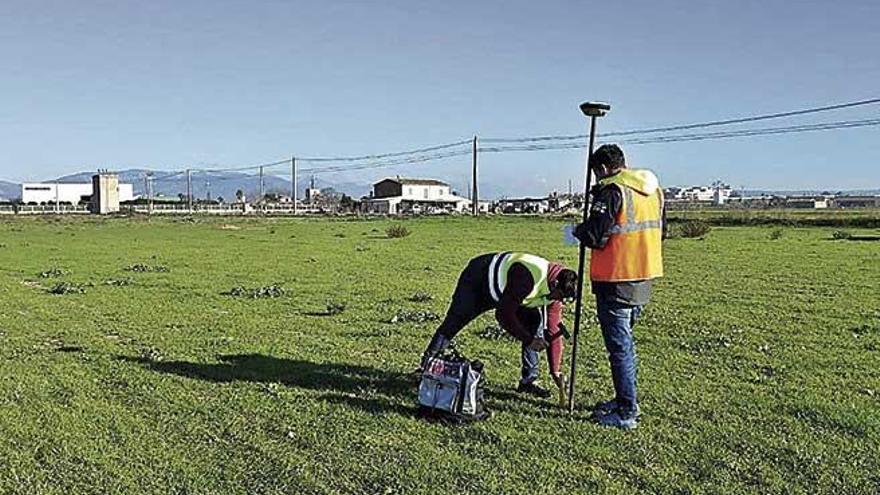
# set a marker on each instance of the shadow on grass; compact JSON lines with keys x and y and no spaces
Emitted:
{"x":369,"y":389}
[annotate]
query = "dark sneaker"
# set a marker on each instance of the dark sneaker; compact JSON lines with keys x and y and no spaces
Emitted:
{"x":610,"y":406}
{"x":614,"y":419}
{"x":533,"y":389}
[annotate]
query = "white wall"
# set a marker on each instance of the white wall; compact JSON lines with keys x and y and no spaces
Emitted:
{"x":126,"y":192}
{"x":44,"y":192}
{"x":417,"y":191}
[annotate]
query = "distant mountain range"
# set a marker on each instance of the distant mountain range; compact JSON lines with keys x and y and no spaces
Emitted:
{"x":9,"y":190}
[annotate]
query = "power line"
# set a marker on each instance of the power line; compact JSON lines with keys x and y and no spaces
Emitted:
{"x":383,"y":155}
{"x":699,"y":125}
{"x":696,"y":136}
{"x":398,"y":159}
{"x":561,"y":142}
{"x":246,"y":167}
{"x":388,"y":163}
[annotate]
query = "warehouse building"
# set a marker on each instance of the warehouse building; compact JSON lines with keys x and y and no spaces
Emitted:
{"x":73,"y":193}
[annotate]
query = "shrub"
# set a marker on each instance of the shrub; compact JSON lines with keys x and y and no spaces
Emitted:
{"x":776,"y":234}
{"x":397,"y":231}
{"x":841,"y":234}
{"x":694,"y":228}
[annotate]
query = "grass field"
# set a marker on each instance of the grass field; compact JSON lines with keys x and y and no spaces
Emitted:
{"x":759,"y":364}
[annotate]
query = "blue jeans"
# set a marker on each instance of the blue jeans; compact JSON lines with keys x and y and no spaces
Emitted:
{"x":617,"y":321}
{"x":529,"y":364}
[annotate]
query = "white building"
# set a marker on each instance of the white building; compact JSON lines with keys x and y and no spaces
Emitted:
{"x":523,"y":205}
{"x":49,"y":192}
{"x":718,"y":194}
{"x":394,"y":196}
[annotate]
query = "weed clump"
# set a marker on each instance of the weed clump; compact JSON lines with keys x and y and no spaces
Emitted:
{"x":52,"y":273}
{"x":776,"y":234}
{"x":67,"y":288}
{"x":335,"y":308}
{"x":268,"y":291}
{"x":151,"y":354}
{"x":841,"y":234}
{"x":407,"y":316}
{"x":420,"y":297}
{"x":494,"y":332}
{"x":397,"y":231}
{"x":694,"y":228}
{"x":144,"y":268}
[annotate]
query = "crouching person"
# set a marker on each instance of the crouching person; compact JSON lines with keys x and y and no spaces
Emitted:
{"x":526,"y":292}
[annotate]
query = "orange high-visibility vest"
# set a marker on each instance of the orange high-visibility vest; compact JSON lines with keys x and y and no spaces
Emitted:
{"x":634,"y":250}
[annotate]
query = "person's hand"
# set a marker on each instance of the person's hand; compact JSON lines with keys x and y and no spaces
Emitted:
{"x":580,"y":231}
{"x":558,"y":379}
{"x":538,"y":344}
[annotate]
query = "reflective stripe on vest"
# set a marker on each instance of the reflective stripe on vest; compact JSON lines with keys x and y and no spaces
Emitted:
{"x":538,"y":267}
{"x":633,"y":250}
{"x":631,"y":225}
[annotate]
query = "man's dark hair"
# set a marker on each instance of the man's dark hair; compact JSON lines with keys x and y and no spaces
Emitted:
{"x":566,"y":281}
{"x":609,"y":155}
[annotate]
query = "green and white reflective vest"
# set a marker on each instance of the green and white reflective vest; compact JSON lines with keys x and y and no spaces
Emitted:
{"x":537,"y":266}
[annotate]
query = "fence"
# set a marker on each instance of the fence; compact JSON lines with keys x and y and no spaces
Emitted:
{"x":168,"y":209}
{"x":42,"y":209}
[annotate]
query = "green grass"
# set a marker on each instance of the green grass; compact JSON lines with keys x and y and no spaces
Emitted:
{"x":733,"y":217}
{"x":758,"y":364}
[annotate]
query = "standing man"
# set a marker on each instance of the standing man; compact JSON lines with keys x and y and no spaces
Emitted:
{"x":526,"y":292}
{"x":624,"y":231}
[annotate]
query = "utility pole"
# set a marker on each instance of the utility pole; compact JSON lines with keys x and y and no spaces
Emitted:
{"x":475,"y":201}
{"x":569,"y":188}
{"x":150,"y":192}
{"x":57,"y":205}
{"x":261,"y":183}
{"x":189,"y":191}
{"x":293,"y":182}
{"x":208,"y":188}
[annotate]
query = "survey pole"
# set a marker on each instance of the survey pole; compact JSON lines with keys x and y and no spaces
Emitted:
{"x":594,"y":110}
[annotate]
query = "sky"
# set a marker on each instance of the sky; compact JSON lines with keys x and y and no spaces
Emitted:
{"x":170,"y":85}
